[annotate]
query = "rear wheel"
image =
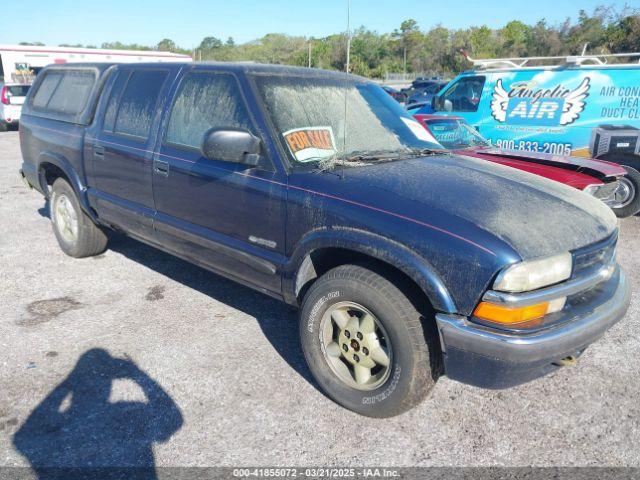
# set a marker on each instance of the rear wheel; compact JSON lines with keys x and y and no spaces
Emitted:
{"x":364,"y":342}
{"x":76,"y":233}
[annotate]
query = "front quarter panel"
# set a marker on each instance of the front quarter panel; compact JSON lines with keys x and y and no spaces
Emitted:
{"x":452,"y":260}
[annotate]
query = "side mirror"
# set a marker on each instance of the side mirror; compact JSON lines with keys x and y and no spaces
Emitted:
{"x":229,"y":144}
{"x":448,"y":106}
{"x":436,"y":103}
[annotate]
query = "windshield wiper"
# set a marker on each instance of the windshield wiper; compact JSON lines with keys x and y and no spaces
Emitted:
{"x":371,"y":155}
{"x":425,"y":152}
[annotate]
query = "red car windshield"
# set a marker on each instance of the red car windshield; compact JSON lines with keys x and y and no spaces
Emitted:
{"x":455,"y":134}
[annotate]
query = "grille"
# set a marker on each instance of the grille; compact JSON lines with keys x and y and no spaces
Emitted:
{"x":598,"y":254}
{"x":624,"y":144}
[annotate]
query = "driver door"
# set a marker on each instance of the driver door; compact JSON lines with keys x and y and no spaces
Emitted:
{"x":465,"y":98}
{"x":227,"y":216}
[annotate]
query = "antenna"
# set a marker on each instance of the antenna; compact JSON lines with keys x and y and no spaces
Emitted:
{"x":346,"y":86}
{"x":348,"y":33}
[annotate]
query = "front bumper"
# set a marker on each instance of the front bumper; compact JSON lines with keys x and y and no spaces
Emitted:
{"x":490,"y":358}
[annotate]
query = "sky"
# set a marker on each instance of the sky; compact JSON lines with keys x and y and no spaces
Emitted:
{"x":186,"y":22}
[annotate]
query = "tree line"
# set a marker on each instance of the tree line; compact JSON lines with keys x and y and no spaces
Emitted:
{"x":434,"y":51}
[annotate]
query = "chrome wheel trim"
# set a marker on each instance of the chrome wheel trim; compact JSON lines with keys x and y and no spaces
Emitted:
{"x":356,"y":346}
{"x":623,"y":195}
{"x":65,"y":218}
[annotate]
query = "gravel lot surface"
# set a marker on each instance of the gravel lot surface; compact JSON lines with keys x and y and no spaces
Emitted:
{"x":225,"y":379}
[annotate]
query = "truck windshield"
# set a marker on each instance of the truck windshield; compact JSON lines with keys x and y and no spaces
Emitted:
{"x":328,"y":121}
{"x":455,"y":134}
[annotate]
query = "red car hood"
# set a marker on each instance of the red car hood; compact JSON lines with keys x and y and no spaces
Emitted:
{"x":573,"y":171}
{"x":597,"y":168}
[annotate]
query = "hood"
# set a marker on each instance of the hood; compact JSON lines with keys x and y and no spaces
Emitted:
{"x":598,"y":168}
{"x":535,"y":216}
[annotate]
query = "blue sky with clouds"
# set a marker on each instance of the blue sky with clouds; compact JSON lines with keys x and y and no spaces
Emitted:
{"x":188,"y":21}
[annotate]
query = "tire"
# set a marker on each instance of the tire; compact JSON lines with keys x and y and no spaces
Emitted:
{"x":86,"y":239}
{"x":412,"y":357}
{"x":632,"y":206}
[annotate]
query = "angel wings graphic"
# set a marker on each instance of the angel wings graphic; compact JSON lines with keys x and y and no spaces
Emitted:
{"x":499,"y":102}
{"x":574,"y":102}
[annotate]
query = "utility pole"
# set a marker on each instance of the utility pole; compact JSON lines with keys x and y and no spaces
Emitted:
{"x":405,"y":61}
{"x":348,"y":33}
{"x":309,"y":53}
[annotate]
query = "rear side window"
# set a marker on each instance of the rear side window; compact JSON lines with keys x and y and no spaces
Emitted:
{"x":65,"y":93}
{"x":47,"y":86}
{"x":112,"y":107}
{"x":205,"y":101}
{"x":71,"y":95}
{"x":137,"y":103}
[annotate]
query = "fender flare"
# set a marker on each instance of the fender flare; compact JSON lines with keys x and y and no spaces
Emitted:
{"x":74,"y":179}
{"x":376,"y":246}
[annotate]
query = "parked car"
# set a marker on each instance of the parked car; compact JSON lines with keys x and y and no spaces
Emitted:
{"x":11,"y":99}
{"x":585,"y":106}
{"x":416,"y":107}
{"x":397,"y":95}
{"x":609,"y":182}
{"x":424,"y":94}
{"x":405,"y":260}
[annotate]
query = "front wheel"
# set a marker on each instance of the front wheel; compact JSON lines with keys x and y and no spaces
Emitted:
{"x":364,"y":343}
{"x":625,"y":200}
{"x":76,"y":233}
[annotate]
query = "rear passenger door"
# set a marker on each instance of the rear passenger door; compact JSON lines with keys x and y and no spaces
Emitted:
{"x":122,"y":149}
{"x":225,"y":215}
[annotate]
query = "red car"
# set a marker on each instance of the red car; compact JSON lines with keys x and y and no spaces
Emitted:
{"x":609,"y":182}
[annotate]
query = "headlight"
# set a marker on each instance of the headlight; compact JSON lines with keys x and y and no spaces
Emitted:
{"x":591,"y":189}
{"x":534,"y":274}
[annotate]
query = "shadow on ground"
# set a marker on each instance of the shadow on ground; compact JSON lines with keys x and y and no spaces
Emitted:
{"x":76,"y":432}
{"x":277,"y":320}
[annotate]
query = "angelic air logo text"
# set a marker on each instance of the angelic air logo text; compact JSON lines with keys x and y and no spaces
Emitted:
{"x":524,"y":104}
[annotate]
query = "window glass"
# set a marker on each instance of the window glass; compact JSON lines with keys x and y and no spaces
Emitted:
{"x":71,"y":95}
{"x":18,"y":90}
{"x":332,"y":121}
{"x":138,"y":103}
{"x":205,"y":101}
{"x":465,"y":94}
{"x":114,"y":98}
{"x":46,"y":88}
{"x":455,"y":134}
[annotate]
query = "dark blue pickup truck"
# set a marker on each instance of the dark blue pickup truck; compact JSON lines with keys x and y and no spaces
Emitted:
{"x":407,"y":262}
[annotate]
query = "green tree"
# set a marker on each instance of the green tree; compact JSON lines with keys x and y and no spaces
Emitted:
{"x":166,"y":45}
{"x":514,"y":37}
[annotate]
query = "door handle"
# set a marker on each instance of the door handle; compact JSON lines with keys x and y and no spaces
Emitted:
{"x":161,"y":168}
{"x":98,"y":150}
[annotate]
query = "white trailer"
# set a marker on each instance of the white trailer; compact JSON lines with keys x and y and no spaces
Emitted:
{"x":20,"y":63}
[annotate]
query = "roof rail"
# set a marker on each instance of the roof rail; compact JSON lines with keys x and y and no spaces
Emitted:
{"x":573,"y":60}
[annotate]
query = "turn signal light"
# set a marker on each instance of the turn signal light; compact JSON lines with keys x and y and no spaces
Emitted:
{"x":530,"y":315}
{"x":510,"y":315}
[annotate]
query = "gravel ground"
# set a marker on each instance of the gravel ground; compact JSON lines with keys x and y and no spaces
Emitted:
{"x":225,"y":379}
